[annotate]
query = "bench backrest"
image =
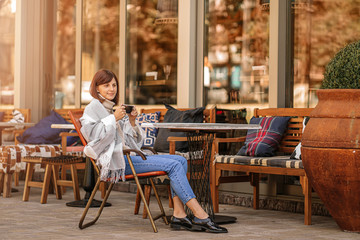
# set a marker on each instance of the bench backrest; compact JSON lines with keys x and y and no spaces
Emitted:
{"x":294,"y":130}
{"x":209,"y":114}
{"x":64,"y":112}
{"x":8,"y":114}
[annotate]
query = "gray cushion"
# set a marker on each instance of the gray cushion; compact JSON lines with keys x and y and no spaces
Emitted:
{"x":176,"y":116}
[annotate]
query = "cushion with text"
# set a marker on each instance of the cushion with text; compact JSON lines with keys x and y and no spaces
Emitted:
{"x":264,"y":142}
{"x":151,"y":133}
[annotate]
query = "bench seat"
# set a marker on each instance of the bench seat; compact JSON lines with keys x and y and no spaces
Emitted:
{"x":277,"y":161}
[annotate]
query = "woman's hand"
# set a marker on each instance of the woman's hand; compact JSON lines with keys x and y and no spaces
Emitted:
{"x":119,"y":113}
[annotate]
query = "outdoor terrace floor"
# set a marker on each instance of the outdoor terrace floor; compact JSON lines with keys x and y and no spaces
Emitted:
{"x":54,"y":220}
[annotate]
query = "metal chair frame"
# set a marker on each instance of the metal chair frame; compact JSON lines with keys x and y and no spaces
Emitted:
{"x":75,"y":116}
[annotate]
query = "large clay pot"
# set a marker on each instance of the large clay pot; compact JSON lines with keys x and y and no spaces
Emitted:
{"x":331,"y":154}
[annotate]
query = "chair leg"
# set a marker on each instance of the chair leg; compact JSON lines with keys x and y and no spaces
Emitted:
{"x":55,"y":171}
{"x":7,"y":185}
{"x":28,"y":178}
{"x":103,"y":189}
{"x":147,"y":193}
{"x":138,"y":201}
{"x":75,"y":182}
{"x":141,"y":193}
{"x":1,"y":182}
{"x":81,"y":225}
{"x":163,"y":215}
{"x":16,"y":178}
{"x":46,"y":183}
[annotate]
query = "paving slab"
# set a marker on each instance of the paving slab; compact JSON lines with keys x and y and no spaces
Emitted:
{"x":54,"y":220}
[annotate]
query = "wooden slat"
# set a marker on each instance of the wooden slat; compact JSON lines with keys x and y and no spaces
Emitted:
{"x":65,"y":183}
{"x":35,"y":184}
{"x":261,"y":169}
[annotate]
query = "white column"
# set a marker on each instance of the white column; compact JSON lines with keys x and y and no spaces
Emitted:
{"x":186,"y":66}
{"x":278,"y":53}
{"x":78,"y":60}
{"x":122,"y":51}
{"x":34,"y":58}
{"x":28,"y":57}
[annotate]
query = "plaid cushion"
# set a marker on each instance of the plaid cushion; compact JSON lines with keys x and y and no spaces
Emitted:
{"x":151,"y":133}
{"x":277,"y":161}
{"x":264,"y":142}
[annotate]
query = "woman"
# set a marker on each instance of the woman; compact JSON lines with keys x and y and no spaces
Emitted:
{"x":108,"y":132}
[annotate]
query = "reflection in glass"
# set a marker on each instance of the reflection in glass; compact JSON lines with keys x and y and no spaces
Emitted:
{"x":151,"y":51}
{"x":236,"y":51}
{"x":321,"y":29}
{"x":100,"y":41}
{"x":65,"y":55}
{"x":7,"y":45}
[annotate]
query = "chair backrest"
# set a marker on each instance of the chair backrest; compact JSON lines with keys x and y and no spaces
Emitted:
{"x":26,"y":112}
{"x":75,"y":116}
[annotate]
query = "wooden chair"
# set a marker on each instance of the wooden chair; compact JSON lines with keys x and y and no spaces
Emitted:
{"x":75,"y":118}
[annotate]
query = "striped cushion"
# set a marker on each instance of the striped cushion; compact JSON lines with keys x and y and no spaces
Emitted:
{"x":277,"y":161}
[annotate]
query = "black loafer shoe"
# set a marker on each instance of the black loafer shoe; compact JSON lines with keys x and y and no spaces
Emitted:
{"x":179,"y":223}
{"x":207,"y":225}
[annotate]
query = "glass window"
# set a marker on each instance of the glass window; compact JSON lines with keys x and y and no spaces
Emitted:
{"x":7,"y":49}
{"x":65,"y":54}
{"x":236,"y":53}
{"x":100,"y":41}
{"x":321,"y":29}
{"x":151,"y":51}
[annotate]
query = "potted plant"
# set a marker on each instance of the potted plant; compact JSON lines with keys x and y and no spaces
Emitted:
{"x":331,"y":140}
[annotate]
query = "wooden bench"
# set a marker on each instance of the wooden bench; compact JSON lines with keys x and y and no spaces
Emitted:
{"x":265,"y":165}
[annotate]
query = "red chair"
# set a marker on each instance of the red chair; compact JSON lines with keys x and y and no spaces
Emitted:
{"x":75,"y":118}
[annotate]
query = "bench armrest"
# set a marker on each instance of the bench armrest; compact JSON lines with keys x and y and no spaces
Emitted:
{"x":227,"y":140}
{"x":172,"y":141}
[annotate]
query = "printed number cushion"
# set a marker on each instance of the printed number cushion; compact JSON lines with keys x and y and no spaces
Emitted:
{"x":264,"y":142}
{"x":151,"y":133}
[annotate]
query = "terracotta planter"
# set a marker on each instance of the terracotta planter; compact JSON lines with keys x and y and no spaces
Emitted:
{"x":331,"y":154}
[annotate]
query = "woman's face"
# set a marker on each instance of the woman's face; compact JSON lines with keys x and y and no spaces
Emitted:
{"x":108,"y":90}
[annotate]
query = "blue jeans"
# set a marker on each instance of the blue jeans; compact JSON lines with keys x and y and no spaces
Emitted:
{"x":174,"y":165}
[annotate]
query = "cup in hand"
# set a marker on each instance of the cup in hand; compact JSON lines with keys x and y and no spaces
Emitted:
{"x":128,"y":108}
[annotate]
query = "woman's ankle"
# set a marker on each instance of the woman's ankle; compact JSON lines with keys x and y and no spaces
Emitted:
{"x":201,"y":215}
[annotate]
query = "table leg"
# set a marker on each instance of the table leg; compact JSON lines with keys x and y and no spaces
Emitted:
{"x":200,"y":150}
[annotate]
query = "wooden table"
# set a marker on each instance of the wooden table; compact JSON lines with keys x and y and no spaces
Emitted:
{"x":200,"y":138}
{"x":11,"y":124}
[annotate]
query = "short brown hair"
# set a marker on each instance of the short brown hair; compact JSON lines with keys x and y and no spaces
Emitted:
{"x":101,"y":77}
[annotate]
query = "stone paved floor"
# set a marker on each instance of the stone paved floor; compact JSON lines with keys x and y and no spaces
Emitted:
{"x":32,"y":220}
